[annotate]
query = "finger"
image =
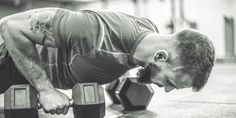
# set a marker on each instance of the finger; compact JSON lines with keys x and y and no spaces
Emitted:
{"x":46,"y":111}
{"x":65,"y":110}
{"x":59,"y":111}
{"x":53,"y":111}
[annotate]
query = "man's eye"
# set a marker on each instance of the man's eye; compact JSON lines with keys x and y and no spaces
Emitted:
{"x":160,"y":56}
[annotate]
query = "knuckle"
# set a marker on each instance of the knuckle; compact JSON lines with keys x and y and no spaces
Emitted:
{"x":58,"y":112}
{"x":64,"y":113}
{"x":52,"y":112}
{"x":46,"y":111}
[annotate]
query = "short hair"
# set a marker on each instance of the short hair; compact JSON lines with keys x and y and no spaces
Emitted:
{"x":196,"y":53}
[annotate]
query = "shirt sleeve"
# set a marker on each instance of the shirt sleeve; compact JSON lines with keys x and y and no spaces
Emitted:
{"x":77,"y":30}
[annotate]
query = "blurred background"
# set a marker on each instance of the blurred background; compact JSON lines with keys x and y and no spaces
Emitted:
{"x":215,"y":18}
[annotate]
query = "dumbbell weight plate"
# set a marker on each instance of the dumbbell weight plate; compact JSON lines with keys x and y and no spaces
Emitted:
{"x":19,"y":102}
{"x":134,"y":95}
{"x":89,"y":101}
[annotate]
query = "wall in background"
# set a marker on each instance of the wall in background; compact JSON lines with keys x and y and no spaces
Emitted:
{"x":206,"y":15}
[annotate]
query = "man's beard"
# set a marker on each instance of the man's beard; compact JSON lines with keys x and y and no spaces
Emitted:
{"x":148,"y":72}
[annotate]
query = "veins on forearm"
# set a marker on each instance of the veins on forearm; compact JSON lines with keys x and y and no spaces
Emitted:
{"x":34,"y":71}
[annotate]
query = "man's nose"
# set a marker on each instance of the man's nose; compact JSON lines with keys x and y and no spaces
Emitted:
{"x":168,"y":88}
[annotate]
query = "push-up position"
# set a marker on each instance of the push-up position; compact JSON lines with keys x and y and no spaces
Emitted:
{"x":56,"y":48}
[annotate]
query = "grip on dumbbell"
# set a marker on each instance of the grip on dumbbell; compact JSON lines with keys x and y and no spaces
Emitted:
{"x":19,"y":99}
{"x":71,"y":104}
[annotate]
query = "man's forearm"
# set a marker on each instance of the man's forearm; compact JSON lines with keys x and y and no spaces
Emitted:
{"x":25,"y":56}
{"x":33,"y":70}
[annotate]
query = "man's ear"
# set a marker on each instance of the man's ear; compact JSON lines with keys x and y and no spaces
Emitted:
{"x":161,"y":55}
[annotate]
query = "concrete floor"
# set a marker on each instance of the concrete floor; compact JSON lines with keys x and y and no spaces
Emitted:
{"x":216,"y":100}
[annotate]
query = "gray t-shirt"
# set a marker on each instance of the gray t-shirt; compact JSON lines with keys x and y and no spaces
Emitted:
{"x":93,"y":46}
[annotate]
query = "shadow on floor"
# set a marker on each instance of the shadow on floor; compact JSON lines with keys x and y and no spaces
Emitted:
{"x":132,"y":114}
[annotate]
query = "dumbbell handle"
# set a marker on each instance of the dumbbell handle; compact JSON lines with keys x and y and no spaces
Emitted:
{"x":71,"y":104}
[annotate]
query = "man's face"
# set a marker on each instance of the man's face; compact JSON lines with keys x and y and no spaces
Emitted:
{"x":170,"y":77}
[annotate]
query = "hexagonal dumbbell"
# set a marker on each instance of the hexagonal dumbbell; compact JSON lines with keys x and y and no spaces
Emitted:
{"x":134,"y":95}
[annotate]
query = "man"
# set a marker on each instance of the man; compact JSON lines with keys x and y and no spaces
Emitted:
{"x":56,"y":48}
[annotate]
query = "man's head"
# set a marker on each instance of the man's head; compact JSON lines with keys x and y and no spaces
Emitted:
{"x":186,"y":62}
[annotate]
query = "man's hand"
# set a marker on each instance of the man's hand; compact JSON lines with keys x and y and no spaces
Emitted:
{"x":54,"y":101}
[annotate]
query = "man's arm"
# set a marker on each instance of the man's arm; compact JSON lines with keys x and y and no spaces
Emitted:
{"x":21,"y":32}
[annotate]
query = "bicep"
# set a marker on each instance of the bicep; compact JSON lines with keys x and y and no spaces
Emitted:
{"x":36,"y":25}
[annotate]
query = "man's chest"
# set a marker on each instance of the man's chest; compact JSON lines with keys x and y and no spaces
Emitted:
{"x":101,"y":65}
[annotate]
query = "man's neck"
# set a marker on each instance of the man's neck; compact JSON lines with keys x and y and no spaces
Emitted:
{"x":148,"y":46}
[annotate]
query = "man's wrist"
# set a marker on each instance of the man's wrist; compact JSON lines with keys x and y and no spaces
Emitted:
{"x":43,"y":85}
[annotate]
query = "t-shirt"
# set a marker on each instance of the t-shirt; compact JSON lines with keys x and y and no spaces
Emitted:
{"x":93,"y":46}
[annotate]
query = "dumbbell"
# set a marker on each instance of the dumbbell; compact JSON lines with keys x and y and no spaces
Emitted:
{"x":20,"y":101}
{"x":130,"y":93}
{"x":89,"y":100}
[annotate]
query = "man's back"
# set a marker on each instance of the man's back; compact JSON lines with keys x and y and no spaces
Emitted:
{"x":94,"y":46}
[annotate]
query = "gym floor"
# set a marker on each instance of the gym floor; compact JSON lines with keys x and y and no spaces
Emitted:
{"x":216,"y":100}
